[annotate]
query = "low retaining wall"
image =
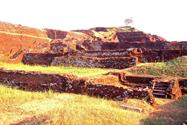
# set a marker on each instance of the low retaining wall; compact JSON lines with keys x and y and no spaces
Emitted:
{"x":117,"y":59}
{"x":165,"y":87}
{"x":34,"y":81}
{"x":39,"y":58}
{"x":105,"y":53}
{"x":113,"y":62}
{"x":161,"y":55}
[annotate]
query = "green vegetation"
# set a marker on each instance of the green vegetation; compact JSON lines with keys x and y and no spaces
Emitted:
{"x":83,"y":72}
{"x":64,"y":109}
{"x":176,"y":67}
{"x":70,"y":109}
{"x":173,"y":113}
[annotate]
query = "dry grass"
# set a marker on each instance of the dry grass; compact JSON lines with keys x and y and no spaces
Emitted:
{"x":64,"y":109}
{"x":171,"y":113}
{"x":70,"y":109}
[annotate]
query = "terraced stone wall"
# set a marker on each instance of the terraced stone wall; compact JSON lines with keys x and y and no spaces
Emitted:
{"x":112,"y":62}
{"x":35,"y":81}
{"x":161,"y":55}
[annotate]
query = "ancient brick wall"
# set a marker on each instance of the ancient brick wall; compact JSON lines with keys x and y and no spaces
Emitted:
{"x":56,"y":34}
{"x":113,"y":62}
{"x":138,"y":36}
{"x":165,"y":87}
{"x":161,"y":55}
{"x":106,"y":53}
{"x":39,"y":58}
{"x":34,"y":81}
{"x":131,"y":36}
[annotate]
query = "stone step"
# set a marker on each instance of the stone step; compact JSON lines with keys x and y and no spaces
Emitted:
{"x":158,"y":90}
{"x":162,"y":85}
{"x":159,"y":94}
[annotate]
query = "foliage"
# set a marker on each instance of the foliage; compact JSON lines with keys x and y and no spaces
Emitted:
{"x":128,"y":21}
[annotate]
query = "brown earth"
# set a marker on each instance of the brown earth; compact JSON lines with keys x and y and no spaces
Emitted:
{"x":15,"y":40}
{"x":19,"y":29}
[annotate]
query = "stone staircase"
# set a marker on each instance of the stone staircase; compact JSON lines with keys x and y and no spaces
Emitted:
{"x":160,"y":90}
{"x":166,"y":88}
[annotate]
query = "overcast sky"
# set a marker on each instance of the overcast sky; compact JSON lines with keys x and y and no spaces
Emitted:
{"x":167,"y":18}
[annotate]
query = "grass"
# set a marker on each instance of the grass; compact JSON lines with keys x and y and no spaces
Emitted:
{"x":70,"y":109}
{"x":79,"y":71}
{"x":173,"y":113}
{"x":64,"y":109}
{"x":176,"y":68}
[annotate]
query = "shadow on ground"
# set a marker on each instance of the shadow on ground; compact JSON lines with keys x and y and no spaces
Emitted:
{"x":174,"y":113}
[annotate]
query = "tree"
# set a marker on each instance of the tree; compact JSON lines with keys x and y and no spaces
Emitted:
{"x":128,"y":21}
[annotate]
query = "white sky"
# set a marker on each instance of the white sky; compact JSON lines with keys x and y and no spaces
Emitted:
{"x":167,"y":18}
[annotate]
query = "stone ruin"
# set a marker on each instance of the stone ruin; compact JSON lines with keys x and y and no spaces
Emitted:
{"x":101,"y":47}
{"x":35,"y":81}
{"x":113,"y":85}
{"x":132,"y":48}
{"x":95,"y":40}
{"x":76,"y":49}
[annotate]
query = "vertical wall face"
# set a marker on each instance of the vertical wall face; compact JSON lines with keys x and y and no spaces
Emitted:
{"x":56,"y":34}
{"x":112,"y":62}
{"x":34,"y":81}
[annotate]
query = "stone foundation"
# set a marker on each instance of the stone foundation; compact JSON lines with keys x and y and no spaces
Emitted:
{"x":35,"y":81}
{"x":161,"y":55}
{"x":113,"y":62}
